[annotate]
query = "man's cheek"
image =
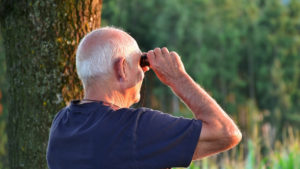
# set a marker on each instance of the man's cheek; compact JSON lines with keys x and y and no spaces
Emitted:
{"x":139,"y":76}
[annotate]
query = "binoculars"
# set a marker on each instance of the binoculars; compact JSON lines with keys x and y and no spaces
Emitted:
{"x":144,"y":60}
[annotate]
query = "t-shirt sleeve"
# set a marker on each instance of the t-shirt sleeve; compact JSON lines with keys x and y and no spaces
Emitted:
{"x":163,"y":140}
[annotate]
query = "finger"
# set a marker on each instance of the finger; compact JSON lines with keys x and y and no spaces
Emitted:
{"x":151,"y":57}
{"x":174,"y":54}
{"x":176,"y":57}
{"x":158,"y":54}
{"x":165,"y":52}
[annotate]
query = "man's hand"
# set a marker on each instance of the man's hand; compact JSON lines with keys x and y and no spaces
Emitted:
{"x":219,"y":133}
{"x":167,"y":65}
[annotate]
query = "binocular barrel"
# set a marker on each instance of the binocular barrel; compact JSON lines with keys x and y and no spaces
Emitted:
{"x":144,"y":61}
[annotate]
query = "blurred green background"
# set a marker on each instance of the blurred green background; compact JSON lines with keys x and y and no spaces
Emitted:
{"x":245,"y":53}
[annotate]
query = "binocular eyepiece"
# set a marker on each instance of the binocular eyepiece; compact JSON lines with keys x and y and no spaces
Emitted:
{"x":144,"y":60}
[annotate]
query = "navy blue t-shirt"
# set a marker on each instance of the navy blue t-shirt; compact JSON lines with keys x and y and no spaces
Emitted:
{"x":94,"y":136}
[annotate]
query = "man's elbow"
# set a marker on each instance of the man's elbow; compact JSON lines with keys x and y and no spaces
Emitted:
{"x":232,"y":139}
{"x":224,"y":140}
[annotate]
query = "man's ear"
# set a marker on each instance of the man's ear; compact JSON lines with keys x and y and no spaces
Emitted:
{"x":119,"y":69}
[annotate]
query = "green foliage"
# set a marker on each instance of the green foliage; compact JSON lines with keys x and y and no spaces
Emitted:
{"x":237,"y":50}
{"x":245,"y":53}
{"x":250,"y":161}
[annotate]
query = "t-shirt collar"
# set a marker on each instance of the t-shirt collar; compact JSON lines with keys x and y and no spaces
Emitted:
{"x":76,"y":106}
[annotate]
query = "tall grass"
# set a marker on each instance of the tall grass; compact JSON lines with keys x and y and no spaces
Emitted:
{"x":283,"y":154}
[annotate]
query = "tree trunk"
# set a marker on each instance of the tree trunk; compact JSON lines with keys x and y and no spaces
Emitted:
{"x":40,"y":38}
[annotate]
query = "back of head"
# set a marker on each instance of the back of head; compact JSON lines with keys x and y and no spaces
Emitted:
{"x":98,"y":50}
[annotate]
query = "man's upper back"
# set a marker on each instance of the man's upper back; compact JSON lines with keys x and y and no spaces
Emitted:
{"x":94,"y":136}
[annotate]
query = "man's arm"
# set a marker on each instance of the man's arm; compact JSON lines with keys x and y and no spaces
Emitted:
{"x":219,"y":132}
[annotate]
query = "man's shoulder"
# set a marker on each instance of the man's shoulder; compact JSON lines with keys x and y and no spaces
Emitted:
{"x":59,"y":113}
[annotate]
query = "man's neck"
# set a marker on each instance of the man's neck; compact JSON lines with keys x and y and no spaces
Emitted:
{"x":108,"y":96}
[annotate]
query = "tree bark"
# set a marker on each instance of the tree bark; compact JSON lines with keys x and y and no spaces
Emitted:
{"x":40,"y":38}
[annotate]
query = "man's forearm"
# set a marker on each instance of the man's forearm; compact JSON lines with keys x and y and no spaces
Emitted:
{"x":196,"y":98}
{"x":203,"y":106}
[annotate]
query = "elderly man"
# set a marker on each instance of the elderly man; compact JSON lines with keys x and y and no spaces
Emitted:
{"x":102,"y":132}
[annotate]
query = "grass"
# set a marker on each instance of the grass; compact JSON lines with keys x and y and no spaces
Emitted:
{"x":282,"y":155}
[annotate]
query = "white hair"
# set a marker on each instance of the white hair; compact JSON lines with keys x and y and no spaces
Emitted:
{"x":98,"y":50}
